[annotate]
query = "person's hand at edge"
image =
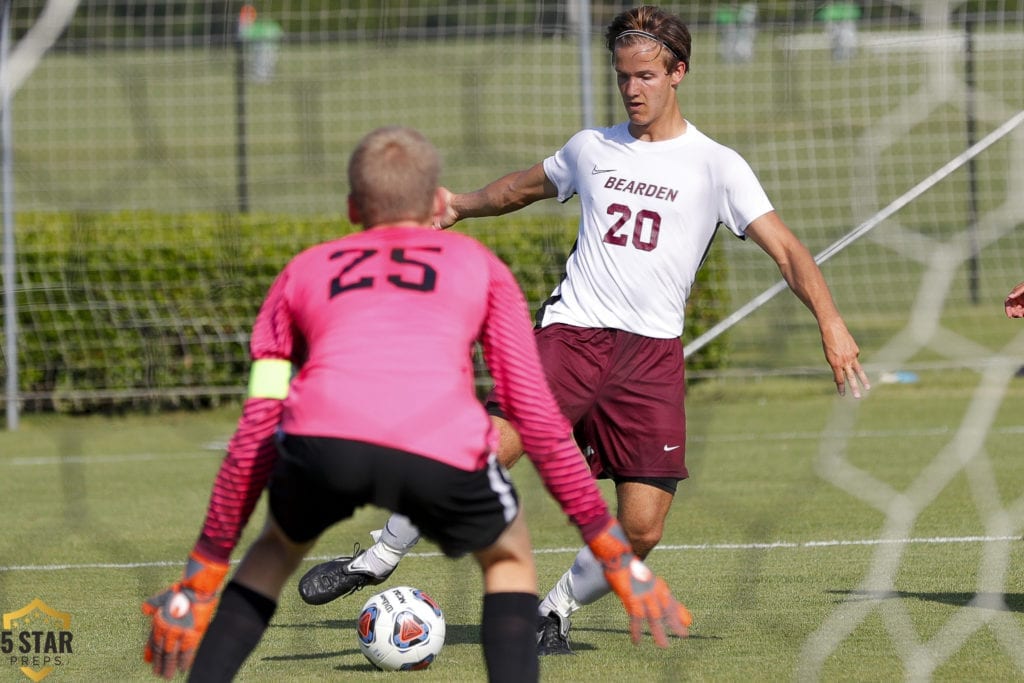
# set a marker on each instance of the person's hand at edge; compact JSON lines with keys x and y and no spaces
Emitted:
{"x":1014,"y":304}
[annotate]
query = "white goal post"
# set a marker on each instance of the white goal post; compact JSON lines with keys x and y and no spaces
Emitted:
{"x":15,"y":67}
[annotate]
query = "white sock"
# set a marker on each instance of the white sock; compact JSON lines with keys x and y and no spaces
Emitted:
{"x":398,"y":534}
{"x":390,"y":545}
{"x":583,"y":584}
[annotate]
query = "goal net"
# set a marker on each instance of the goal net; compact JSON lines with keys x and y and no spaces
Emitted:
{"x":239,"y":119}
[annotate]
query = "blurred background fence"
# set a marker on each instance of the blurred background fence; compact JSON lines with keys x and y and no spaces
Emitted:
{"x":164,"y":159}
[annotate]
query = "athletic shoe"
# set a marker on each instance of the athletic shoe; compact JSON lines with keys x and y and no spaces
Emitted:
{"x":333,"y":579}
{"x":553,"y":635}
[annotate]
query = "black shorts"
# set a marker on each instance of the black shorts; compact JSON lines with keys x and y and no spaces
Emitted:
{"x":318,"y":482}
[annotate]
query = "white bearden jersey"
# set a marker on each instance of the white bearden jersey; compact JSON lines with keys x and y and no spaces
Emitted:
{"x":649,"y":212}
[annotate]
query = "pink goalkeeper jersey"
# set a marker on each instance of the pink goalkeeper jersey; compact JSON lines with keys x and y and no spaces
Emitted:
{"x":389,"y":318}
{"x":381,"y":326}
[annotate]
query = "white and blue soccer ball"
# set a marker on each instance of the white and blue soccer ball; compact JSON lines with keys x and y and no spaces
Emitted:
{"x":401,"y":629}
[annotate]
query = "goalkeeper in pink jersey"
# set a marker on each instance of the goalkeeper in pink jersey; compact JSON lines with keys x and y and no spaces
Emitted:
{"x":653,"y":190}
{"x":362,"y":392}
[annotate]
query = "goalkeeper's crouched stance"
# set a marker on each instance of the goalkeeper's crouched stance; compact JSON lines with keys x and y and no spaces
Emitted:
{"x":362,"y":393}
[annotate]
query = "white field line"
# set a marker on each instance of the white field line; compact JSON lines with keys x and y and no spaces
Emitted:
{"x":694,"y":547}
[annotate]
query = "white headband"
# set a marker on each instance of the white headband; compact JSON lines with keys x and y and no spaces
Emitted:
{"x":651,"y":36}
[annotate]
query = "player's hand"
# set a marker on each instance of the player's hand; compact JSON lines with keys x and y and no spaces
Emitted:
{"x":447,"y":216}
{"x":1014,"y":304}
{"x":180,"y":616}
{"x":644,"y":595}
{"x":842,"y":352}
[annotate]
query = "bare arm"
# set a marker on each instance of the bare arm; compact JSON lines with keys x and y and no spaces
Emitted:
{"x":506,"y":194}
{"x":806,"y":280}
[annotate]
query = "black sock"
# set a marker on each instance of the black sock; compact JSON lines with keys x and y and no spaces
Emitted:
{"x":509,"y":633}
{"x":236,"y":630}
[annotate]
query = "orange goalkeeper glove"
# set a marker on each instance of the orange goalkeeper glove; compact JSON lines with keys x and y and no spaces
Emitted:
{"x":180,"y":615}
{"x":645,"y":596}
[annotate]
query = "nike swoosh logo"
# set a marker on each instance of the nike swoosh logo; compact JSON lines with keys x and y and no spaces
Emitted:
{"x":598,"y":171}
{"x":670,"y":448}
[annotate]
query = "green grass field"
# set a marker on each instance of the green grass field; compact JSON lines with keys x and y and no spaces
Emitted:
{"x":817,"y":538}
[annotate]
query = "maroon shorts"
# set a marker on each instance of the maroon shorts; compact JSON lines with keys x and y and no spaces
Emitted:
{"x":624,"y":395}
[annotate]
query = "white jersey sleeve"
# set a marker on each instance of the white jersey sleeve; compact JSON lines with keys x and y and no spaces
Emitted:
{"x":560,"y":167}
{"x":649,"y":211}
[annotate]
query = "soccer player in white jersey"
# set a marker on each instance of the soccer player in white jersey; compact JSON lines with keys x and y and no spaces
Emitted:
{"x":652,"y":191}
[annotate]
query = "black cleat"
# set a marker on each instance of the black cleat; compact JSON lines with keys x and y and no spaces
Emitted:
{"x":331,"y":580}
{"x":553,"y":635}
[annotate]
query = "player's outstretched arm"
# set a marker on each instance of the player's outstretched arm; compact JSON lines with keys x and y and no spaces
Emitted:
{"x":804,"y":277}
{"x":645,"y":596}
{"x":180,"y":615}
{"x":508,"y":193}
{"x":1015,"y":302}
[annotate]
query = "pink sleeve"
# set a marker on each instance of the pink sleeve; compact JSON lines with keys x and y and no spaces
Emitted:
{"x":252,"y":452}
{"x":241,"y":479}
{"x":511,"y":356}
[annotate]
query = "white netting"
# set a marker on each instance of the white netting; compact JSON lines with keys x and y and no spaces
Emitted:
{"x":203,"y":106}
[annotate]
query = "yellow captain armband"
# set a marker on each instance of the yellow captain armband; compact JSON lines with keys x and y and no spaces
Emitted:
{"x":269,"y":378}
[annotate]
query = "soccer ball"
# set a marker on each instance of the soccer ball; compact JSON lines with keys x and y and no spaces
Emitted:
{"x":401,"y":629}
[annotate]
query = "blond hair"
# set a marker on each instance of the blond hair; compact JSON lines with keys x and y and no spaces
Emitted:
{"x":393,"y":176}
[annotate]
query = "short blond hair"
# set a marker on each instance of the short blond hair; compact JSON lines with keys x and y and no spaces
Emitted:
{"x":393,"y":176}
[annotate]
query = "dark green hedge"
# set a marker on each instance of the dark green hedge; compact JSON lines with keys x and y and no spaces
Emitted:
{"x":143,"y":310}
